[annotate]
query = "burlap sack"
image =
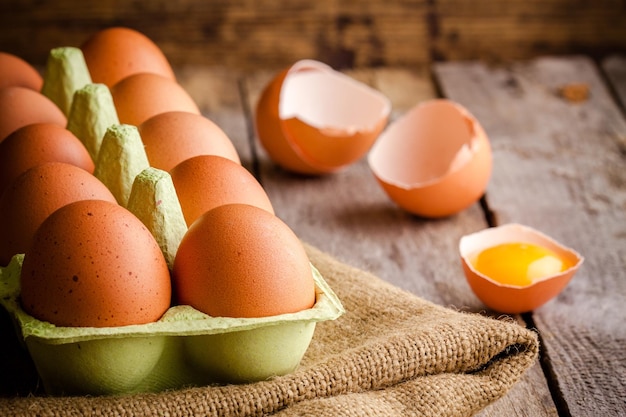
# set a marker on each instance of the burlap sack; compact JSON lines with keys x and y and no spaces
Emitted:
{"x":391,"y":354}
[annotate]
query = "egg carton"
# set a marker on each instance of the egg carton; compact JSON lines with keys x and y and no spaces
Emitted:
{"x":185,"y":347}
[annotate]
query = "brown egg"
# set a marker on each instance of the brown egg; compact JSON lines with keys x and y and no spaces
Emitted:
{"x":312,"y":119}
{"x":36,"y":194}
{"x":117,"y":52}
{"x":138,"y":97}
{"x":239,"y":260}
{"x":94,"y":264}
{"x":37,"y":143}
{"x":22,"y":106}
{"x":207,"y":181}
{"x":14,"y":71}
{"x":434,"y":161}
{"x":172,"y":137}
{"x":514,"y":268}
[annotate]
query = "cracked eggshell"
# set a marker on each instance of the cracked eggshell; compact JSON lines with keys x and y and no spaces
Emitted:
{"x":434,"y":161}
{"x":312,"y":119}
{"x":512,"y":299}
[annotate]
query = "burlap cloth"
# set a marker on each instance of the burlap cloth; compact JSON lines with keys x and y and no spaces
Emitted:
{"x":391,"y":354}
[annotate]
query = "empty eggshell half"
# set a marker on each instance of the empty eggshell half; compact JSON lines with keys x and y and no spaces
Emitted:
{"x":434,"y":161}
{"x":513,"y":299}
{"x":312,"y":119}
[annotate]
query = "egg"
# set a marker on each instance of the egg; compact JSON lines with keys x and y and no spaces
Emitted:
{"x":172,"y":137}
{"x":434,"y":161}
{"x":204,"y":182}
{"x":37,"y":143}
{"x":36,"y":194}
{"x":92,"y":263}
{"x":114,"y":53}
{"x":239,"y":260}
{"x":14,"y":71}
{"x":312,"y":119}
{"x":22,"y":106}
{"x":514,"y":268}
{"x":140,"y":96}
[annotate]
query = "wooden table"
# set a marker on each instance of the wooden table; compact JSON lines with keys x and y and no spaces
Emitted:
{"x":559,"y":166}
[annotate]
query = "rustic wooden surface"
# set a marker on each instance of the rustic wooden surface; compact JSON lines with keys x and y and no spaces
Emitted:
{"x":247,"y":34}
{"x":559,"y":166}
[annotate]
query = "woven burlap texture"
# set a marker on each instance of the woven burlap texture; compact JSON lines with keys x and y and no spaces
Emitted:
{"x":391,"y":354}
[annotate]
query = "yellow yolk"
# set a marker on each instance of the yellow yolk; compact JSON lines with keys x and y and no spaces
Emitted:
{"x":518,"y":264}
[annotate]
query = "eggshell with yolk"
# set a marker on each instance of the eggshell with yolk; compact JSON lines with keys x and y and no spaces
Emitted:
{"x":172,"y":137}
{"x":239,"y":260}
{"x":36,"y":194}
{"x":513,"y":299}
{"x":204,"y":182}
{"x":140,"y":96}
{"x":314,"y":120}
{"x":37,"y":143}
{"x":94,"y":264}
{"x":14,"y":71}
{"x":114,"y":53}
{"x":22,"y":106}
{"x":434,"y":161}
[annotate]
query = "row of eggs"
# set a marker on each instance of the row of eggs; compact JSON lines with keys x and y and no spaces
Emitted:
{"x":111,"y":226}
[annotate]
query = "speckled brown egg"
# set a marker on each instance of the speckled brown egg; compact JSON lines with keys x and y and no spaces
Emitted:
{"x":36,"y":194}
{"x":117,"y":52}
{"x":22,"y":106}
{"x":239,"y":260}
{"x":172,"y":137}
{"x":138,"y":97}
{"x":37,"y":143}
{"x":207,"y":181}
{"x":14,"y":71}
{"x":94,"y":264}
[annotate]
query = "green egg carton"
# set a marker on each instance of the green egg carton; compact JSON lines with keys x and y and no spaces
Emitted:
{"x":184,"y":348}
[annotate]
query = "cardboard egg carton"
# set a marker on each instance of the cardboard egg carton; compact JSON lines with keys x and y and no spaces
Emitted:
{"x":184,"y":347}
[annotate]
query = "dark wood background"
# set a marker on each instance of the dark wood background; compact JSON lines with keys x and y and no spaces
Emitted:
{"x":249,"y":34}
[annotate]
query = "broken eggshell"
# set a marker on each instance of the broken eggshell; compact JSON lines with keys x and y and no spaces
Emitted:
{"x":312,"y":119}
{"x":512,"y":299}
{"x":434,"y":161}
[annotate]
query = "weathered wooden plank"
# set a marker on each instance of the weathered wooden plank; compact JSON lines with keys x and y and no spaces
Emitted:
{"x":250,"y":35}
{"x":497,"y":31}
{"x":347,"y":215}
{"x":559,"y":167}
{"x":614,"y":67}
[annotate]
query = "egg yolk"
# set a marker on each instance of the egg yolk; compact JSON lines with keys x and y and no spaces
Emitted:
{"x":518,"y":264}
